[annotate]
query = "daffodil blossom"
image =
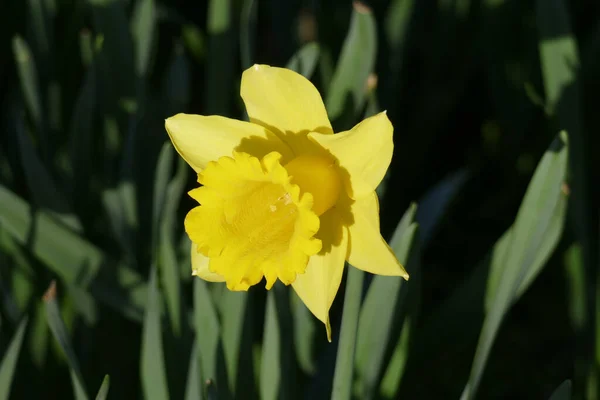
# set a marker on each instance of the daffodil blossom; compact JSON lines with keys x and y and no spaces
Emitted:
{"x":282,"y":196}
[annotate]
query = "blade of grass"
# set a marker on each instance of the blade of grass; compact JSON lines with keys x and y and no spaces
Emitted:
{"x":29,"y":83}
{"x":143,"y":32}
{"x":103,"y":391}
{"x":276,"y":366}
{"x":347,"y":91}
{"x":220,"y":72}
{"x":377,"y":324}
{"x":234,"y":310}
{"x":304,"y":334}
{"x":153,"y":374}
{"x":59,"y":330}
{"x":74,"y":259}
{"x":305,"y":60}
{"x":270,"y":371}
{"x":344,"y":364}
{"x":9,"y":361}
{"x":538,"y":226}
{"x":563,"y":392}
{"x":247,"y":32}
{"x":193,"y":389}
{"x":208,"y":333}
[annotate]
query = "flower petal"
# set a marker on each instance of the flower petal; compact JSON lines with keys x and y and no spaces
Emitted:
{"x":200,"y":266}
{"x":320,"y":282}
{"x":200,"y":139}
{"x":283,"y":99}
{"x":367,"y":249}
{"x":364,"y":152}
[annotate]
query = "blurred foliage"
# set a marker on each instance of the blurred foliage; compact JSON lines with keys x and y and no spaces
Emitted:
{"x":491,"y":201}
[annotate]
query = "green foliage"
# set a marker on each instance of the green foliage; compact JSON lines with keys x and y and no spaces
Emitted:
{"x":490,"y":202}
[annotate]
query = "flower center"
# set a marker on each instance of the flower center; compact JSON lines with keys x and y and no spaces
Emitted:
{"x":317,"y":175}
{"x":253,"y":221}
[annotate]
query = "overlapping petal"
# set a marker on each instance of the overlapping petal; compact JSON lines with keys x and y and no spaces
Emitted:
{"x":320,"y":282}
{"x":365,"y":152}
{"x":285,"y":102}
{"x":200,"y":139}
{"x":200,"y":266}
{"x":367,"y":249}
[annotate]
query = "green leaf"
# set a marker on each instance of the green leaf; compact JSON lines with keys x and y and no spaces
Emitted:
{"x":305,"y":60}
{"x":193,"y":389}
{"x":377,"y":324}
{"x":277,"y":367}
{"x":304,"y":334}
{"x":347,"y":91}
{"x":207,"y":328}
{"x":153,"y":373}
{"x":520,"y":254}
{"x":143,"y":32}
{"x":233,"y":310}
{"x":74,"y":259}
{"x":271,"y":371}
{"x":59,"y":330}
{"x":9,"y":361}
{"x":247,"y":32}
{"x":344,"y":363}
{"x":559,"y":57}
{"x":103,"y":391}
{"x":28,"y":79}
{"x":221,"y":72}
{"x":45,"y":192}
{"x":390,"y":383}
{"x":563,"y":392}
{"x":169,"y":267}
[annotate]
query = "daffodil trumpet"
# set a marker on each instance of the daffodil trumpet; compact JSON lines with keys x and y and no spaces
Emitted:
{"x":282,"y":197}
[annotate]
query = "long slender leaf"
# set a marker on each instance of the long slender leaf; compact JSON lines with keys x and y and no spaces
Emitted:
{"x":532,"y":238}
{"x":29,"y":82}
{"x":377,"y":324}
{"x":75,"y":260}
{"x":103,"y":391}
{"x":59,"y":330}
{"x":9,"y":360}
{"x":152,"y":361}
{"x":207,"y":328}
{"x":563,"y":392}
{"x":305,"y":60}
{"x":271,"y":371}
{"x":356,"y":62}
{"x":143,"y":32}
{"x":193,"y":389}
{"x":344,"y":364}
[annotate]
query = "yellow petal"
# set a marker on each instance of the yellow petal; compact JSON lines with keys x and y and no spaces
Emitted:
{"x":367,"y":249}
{"x":320,"y":282}
{"x":284,"y":101}
{"x":364,"y":152}
{"x":200,"y":139}
{"x":200,"y":266}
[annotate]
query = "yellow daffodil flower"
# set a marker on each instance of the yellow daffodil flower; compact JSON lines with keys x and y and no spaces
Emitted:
{"x":282,"y":196}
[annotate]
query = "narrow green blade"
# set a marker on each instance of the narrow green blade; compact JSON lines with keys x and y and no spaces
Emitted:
{"x":563,"y":392}
{"x":377,"y":323}
{"x":347,"y":92}
{"x":248,"y":32}
{"x":193,"y":389}
{"x":532,"y":239}
{"x":28,"y":79}
{"x":143,"y":32}
{"x":74,"y":259}
{"x":208,"y":332}
{"x":277,"y":367}
{"x":103,"y":391}
{"x":305,"y":60}
{"x":153,"y":373}
{"x":59,"y":330}
{"x":344,"y":364}
{"x":9,"y":361}
{"x":270,"y":371}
